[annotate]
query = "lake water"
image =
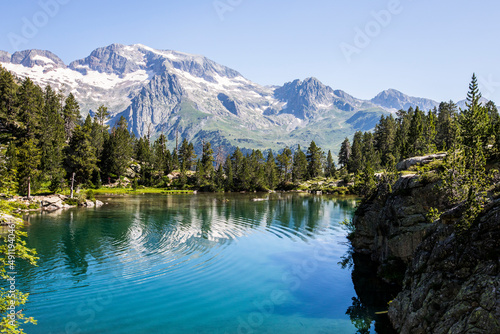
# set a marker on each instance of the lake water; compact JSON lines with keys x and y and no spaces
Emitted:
{"x":201,"y":263}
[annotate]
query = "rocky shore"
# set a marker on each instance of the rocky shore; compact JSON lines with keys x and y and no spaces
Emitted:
{"x":53,"y":202}
{"x":450,"y":282}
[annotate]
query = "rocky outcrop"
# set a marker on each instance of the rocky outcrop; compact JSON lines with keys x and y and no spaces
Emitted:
{"x":393,"y":225}
{"x":453,"y":283}
{"x":419,"y":161}
{"x":53,"y":202}
{"x":450,"y":281}
{"x":6,"y":220}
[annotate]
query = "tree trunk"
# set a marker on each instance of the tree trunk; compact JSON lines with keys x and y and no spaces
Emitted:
{"x":72,"y":183}
{"x":29,"y":187}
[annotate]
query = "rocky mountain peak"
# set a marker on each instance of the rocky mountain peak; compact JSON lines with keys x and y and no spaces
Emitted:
{"x":5,"y":56}
{"x":394,"y":99}
{"x":31,"y":58}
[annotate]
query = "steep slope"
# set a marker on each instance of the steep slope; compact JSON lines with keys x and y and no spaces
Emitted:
{"x":190,"y":96}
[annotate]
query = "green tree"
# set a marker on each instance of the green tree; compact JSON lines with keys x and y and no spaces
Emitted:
{"x":465,"y":177}
{"x":8,"y":169}
{"x":28,"y":166}
{"x":345,"y":152}
{"x":8,"y":103}
{"x":207,"y":160}
{"x":416,"y":140}
{"x":52,"y":140}
{"x":186,"y":155}
{"x":314,"y":160}
{"x":80,"y":156}
{"x":299,"y":169}
{"x":446,"y":126}
{"x":271,"y":171}
{"x":30,"y":102}
{"x":330,"y":170}
{"x":284,"y":165}
{"x":118,"y":149}
{"x":71,"y":115}
{"x":356,"y":158}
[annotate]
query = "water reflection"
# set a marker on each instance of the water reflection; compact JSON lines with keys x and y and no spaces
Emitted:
{"x":183,"y":224}
{"x":195,"y":263}
{"x":373,"y":295}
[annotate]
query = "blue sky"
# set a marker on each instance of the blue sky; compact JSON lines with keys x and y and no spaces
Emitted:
{"x":423,"y":48}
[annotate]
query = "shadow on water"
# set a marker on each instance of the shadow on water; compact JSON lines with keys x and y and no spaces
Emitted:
{"x":373,"y":295}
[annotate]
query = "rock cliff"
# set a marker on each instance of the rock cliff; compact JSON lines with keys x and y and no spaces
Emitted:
{"x":449,"y":281}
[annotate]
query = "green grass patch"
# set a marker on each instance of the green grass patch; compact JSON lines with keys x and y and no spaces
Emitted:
{"x":130,"y":191}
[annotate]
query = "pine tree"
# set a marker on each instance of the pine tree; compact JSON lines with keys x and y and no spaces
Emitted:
{"x":345,"y":152}
{"x":118,"y":149}
{"x":28,"y":166}
{"x":160,"y":156}
{"x":228,"y":170}
{"x":102,"y":116}
{"x":465,"y":176}
{"x":416,"y":140}
{"x":8,"y":169}
{"x":284,"y":165}
{"x":207,"y":159}
{"x":71,"y":115}
{"x":430,"y":132}
{"x":52,"y":140}
{"x":30,"y":102}
{"x":314,"y":160}
{"x":330,"y":170}
{"x":271,"y":171}
{"x":8,"y":102}
{"x":80,"y":156}
{"x":402,"y":145}
{"x":446,"y":126}
{"x":356,"y":158}
{"x":186,"y":155}
{"x":385,"y":136}
{"x":299,"y":169}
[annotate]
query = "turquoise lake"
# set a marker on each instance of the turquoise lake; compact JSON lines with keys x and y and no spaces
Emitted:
{"x":205,"y":263}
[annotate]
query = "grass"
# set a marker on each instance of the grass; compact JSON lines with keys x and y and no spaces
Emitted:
{"x":139,"y":191}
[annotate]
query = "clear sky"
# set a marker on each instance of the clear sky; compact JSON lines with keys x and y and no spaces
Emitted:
{"x":421,"y":47}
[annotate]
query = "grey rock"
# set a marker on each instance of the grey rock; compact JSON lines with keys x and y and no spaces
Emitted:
{"x":5,"y":57}
{"x":419,"y":161}
{"x":30,"y":58}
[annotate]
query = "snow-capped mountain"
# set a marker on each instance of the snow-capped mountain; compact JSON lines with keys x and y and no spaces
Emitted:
{"x":190,"y":96}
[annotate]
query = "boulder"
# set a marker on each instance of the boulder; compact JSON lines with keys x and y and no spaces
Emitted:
{"x":413,"y":161}
{"x":6,"y":219}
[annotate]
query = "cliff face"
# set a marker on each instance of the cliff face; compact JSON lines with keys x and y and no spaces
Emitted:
{"x":451,"y":283}
{"x":391,"y":226}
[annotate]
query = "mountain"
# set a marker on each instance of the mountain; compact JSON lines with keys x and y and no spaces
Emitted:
{"x":190,"y":96}
{"x":394,"y":100}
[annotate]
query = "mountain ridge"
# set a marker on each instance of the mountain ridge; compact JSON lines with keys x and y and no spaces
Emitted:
{"x":185,"y":95}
